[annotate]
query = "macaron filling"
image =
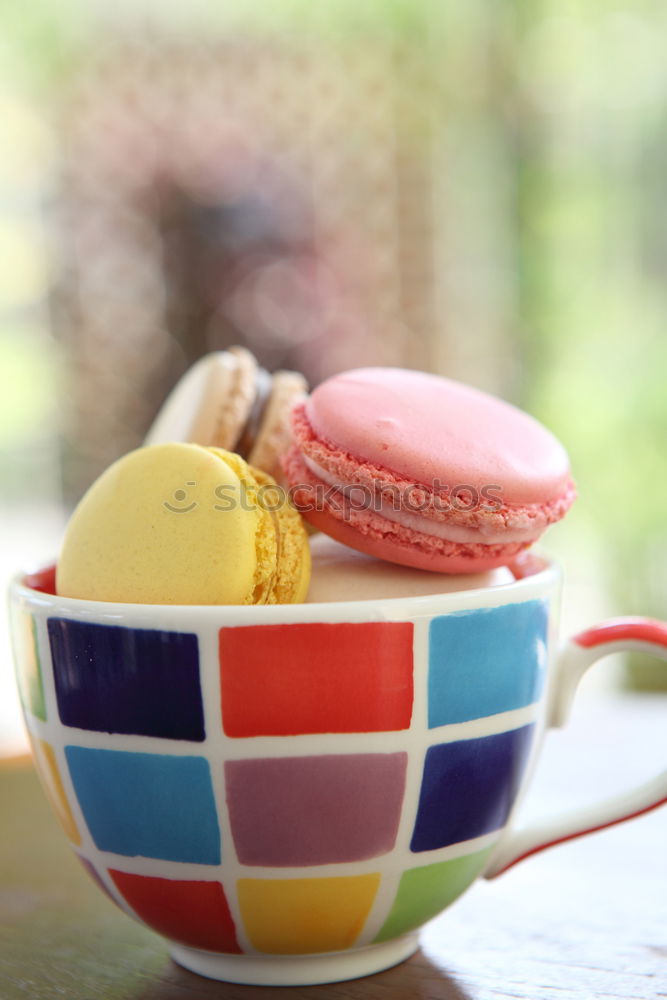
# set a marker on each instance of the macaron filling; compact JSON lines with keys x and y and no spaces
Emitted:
{"x":248,"y":436}
{"x":329,"y":511}
{"x":418,"y":522}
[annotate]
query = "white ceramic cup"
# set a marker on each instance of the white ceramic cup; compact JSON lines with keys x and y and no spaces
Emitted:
{"x":288,"y":793}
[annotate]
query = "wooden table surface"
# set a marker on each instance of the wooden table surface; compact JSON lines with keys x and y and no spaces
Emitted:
{"x":584,"y":920}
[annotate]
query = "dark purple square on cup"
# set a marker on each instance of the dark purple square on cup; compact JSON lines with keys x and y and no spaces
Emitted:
{"x":469,"y":786}
{"x":127,"y":680}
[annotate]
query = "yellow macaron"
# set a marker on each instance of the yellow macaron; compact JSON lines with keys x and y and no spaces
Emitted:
{"x":183,"y":524}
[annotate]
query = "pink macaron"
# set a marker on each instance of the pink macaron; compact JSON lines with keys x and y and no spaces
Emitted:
{"x":424,"y":471}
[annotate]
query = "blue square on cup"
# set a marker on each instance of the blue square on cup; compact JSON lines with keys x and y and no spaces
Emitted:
{"x":152,"y":805}
{"x":468,"y":787}
{"x":113,"y":679}
{"x":485,"y":661}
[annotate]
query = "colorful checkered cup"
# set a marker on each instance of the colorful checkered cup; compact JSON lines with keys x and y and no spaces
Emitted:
{"x":288,"y":793}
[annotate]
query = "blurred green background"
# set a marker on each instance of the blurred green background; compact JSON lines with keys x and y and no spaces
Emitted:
{"x":472,"y":188}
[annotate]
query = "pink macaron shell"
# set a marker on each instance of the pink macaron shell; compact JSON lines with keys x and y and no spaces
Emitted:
{"x":415,"y":447}
{"x":325,"y":464}
{"x":428,"y":429}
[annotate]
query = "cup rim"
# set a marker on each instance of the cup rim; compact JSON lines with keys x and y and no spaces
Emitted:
{"x":536,"y":574}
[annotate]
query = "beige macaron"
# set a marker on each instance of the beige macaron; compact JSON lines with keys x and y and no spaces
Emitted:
{"x":226,"y":400}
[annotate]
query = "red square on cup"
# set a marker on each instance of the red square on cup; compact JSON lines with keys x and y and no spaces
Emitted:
{"x":194,"y":913}
{"x":348,"y":677}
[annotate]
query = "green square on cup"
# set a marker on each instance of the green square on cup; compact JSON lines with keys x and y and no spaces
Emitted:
{"x":426,"y":891}
{"x":28,"y":666}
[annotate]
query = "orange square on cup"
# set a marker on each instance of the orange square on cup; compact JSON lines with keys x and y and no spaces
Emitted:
{"x":348,"y":677}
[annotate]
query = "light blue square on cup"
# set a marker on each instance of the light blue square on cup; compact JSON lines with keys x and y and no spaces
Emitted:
{"x":485,"y":661}
{"x":152,"y":805}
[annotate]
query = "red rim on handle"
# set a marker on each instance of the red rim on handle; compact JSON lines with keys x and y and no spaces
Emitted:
{"x":578,"y":655}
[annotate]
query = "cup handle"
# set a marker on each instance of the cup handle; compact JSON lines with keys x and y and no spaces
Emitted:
{"x":575,"y":658}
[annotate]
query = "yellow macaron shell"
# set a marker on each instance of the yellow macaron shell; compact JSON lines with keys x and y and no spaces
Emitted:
{"x":293,"y":563}
{"x":267,"y":544}
{"x":165,"y":525}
